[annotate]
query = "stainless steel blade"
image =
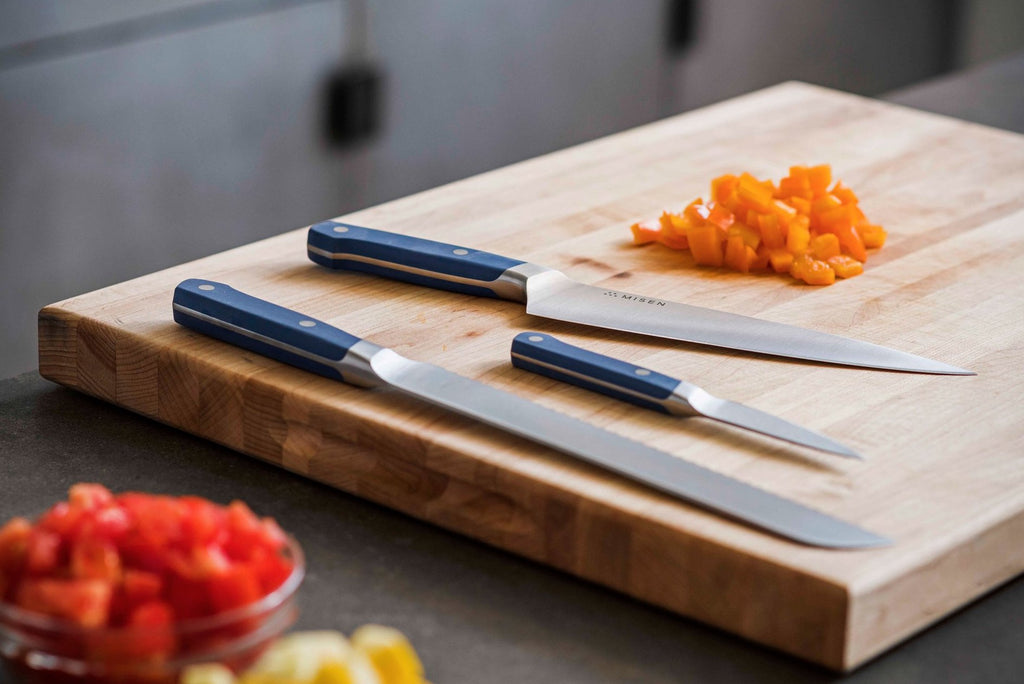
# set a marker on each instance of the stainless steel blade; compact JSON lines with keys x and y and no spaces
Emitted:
{"x":656,"y":469}
{"x":551,"y":294}
{"x":698,"y":401}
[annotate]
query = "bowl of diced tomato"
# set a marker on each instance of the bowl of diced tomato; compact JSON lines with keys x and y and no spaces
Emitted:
{"x":136,"y":587}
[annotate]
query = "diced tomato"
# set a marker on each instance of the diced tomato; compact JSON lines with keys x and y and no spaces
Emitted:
{"x":108,"y":524}
{"x":236,"y":587}
{"x":14,"y":544}
{"x":141,"y":561}
{"x":139,"y":586}
{"x":63,"y":519}
{"x":203,"y":522}
{"x":188,"y":596}
{"x":156,"y":518}
{"x":95,"y":559}
{"x":152,"y":634}
{"x":243,"y":531}
{"x":89,"y":496}
{"x":42,"y":552}
{"x":272,"y":571}
{"x":84,"y":602}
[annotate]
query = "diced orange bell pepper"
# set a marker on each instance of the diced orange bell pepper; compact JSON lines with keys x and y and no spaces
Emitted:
{"x":673,"y":230}
{"x":673,"y":240}
{"x":844,"y":193}
{"x":845,"y":266}
{"x":799,"y":175}
{"x":824,"y":203}
{"x":801,"y":204}
{"x":824,"y":247}
{"x":771,"y":231}
{"x":697,"y":212}
{"x":780,"y":259}
{"x":760,"y":261}
{"x":754,"y":195}
{"x":750,"y":236}
{"x":723,"y":187}
{"x":834,"y":220}
{"x":820,"y":177}
{"x":645,"y":232}
{"x":705,"y":245}
{"x":872,"y":236}
{"x":850,"y":242}
{"x":799,"y":236}
{"x":799,"y":226}
{"x":737,"y":255}
{"x":783,"y":211}
{"x":721,"y":217}
{"x":812,"y":271}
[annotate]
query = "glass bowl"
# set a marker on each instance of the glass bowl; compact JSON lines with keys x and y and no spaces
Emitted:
{"x":38,"y":649}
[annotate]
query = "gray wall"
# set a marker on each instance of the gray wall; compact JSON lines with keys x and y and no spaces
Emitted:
{"x":122,"y":158}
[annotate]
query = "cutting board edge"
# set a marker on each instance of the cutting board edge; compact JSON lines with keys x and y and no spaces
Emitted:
{"x":934,"y":595}
{"x":579,"y":531}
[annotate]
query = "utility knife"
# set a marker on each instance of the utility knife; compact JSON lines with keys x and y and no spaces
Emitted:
{"x":548,"y":356}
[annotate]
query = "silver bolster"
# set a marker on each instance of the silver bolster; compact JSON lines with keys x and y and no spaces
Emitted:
{"x":356,"y":366}
{"x":512,"y":283}
{"x":689,"y":400}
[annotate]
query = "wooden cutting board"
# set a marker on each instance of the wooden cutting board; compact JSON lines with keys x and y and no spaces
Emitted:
{"x":945,"y":471}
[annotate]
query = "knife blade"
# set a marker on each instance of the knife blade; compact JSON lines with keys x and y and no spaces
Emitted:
{"x":553,"y":358}
{"x":551,"y":294}
{"x":223,"y":312}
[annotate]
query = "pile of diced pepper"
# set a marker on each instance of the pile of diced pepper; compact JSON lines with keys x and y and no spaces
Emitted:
{"x":804,"y":226}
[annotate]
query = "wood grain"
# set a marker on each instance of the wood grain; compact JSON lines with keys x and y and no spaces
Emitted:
{"x":944,"y":475}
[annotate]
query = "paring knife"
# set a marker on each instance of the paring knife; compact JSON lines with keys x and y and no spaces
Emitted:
{"x":551,"y":294}
{"x":220,"y":311}
{"x":543,"y":354}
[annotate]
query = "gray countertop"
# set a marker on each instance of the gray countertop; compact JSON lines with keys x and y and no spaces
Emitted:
{"x":474,"y":613}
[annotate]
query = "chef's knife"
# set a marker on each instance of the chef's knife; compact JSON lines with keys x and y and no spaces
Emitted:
{"x":220,"y":311}
{"x":550,"y":294}
{"x":644,"y":387}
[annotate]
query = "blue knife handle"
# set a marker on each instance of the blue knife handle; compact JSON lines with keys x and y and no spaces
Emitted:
{"x":220,"y":311}
{"x":344,"y":246}
{"x":543,"y":354}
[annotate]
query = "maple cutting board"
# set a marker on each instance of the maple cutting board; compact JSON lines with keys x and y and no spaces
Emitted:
{"x":945,"y":471}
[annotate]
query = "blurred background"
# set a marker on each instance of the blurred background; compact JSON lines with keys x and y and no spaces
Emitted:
{"x":135,"y":136}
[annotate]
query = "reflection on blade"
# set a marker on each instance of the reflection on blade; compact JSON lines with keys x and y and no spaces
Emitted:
{"x":662,"y":471}
{"x":730,"y":412}
{"x":553,"y":295}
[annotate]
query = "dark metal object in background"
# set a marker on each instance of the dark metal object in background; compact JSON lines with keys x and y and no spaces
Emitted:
{"x":354,"y":96}
{"x":353,"y":104}
{"x":680,"y":25}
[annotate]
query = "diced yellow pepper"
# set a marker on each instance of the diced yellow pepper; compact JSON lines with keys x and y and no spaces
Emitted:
{"x":391,"y":653}
{"x":207,"y":673}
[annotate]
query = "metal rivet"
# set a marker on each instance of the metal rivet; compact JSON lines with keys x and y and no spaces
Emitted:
{"x":642,"y":371}
{"x":340,"y":229}
{"x":460,"y":251}
{"x":206,"y":287}
{"x":535,"y":338}
{"x":307,"y":323}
